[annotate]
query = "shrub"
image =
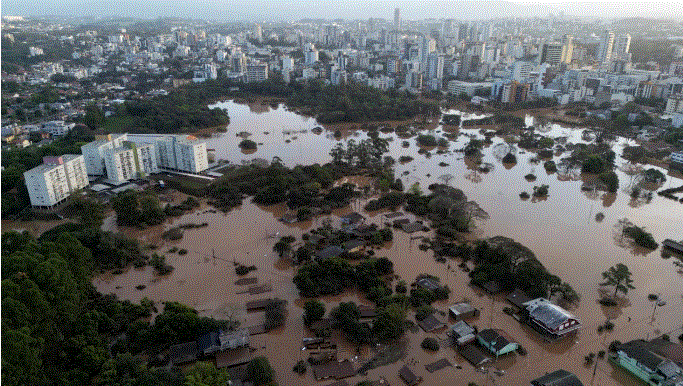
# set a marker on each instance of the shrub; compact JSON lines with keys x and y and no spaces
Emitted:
{"x":550,"y":166}
{"x":182,"y":252}
{"x":430,"y":344}
{"x":510,"y":158}
{"x":247,"y":144}
{"x":641,"y":237}
{"x":426,"y":140}
{"x":611,"y":181}
{"x":300,"y":367}
{"x":242,"y":270}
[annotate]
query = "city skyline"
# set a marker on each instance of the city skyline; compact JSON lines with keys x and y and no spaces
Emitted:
{"x":246,"y":11}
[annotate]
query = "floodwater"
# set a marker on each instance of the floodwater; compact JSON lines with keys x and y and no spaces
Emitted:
{"x":561,"y":230}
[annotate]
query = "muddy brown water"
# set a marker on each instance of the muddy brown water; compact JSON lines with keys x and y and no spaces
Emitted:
{"x":561,"y":230}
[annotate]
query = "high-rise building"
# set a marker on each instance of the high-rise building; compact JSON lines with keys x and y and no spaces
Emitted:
{"x":567,"y":49}
{"x":257,"y":33}
{"x":622,"y":46}
{"x":132,"y":160}
{"x":238,"y":63}
{"x":435,"y":63}
{"x":52,"y":182}
{"x":397,"y":19}
{"x":604,"y":53}
{"x":552,"y":53}
{"x":93,"y":152}
{"x":184,"y":153}
{"x":310,"y":55}
{"x":257,"y":72}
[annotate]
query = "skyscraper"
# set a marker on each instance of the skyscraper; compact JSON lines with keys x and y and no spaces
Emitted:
{"x":604,"y":53}
{"x":397,"y":19}
{"x":258,"y":33}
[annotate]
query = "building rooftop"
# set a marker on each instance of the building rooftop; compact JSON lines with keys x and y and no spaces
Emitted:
{"x":557,"y":378}
{"x":498,"y":339}
{"x":461,"y":308}
{"x":547,"y":313}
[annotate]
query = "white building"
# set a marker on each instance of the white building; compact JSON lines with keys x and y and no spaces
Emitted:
{"x":93,"y":152}
{"x":175,"y":152}
{"x":52,"y":182}
{"x":457,"y":87}
{"x":257,"y":72}
{"x":677,"y":120}
{"x":674,"y":104}
{"x":310,"y":55}
{"x":58,"y":128}
{"x":130,"y":161}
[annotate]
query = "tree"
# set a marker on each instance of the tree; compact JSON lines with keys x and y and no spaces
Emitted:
{"x":390,"y":323}
{"x":206,"y":374}
{"x":259,"y":371}
{"x":314,"y":310}
{"x":618,"y":276}
{"x":94,"y":117}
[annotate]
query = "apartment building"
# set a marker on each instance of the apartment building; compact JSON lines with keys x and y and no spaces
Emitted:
{"x":52,"y":182}
{"x":183,"y":153}
{"x":93,"y":152}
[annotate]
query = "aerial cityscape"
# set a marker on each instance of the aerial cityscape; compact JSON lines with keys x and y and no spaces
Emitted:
{"x":362,"y":195}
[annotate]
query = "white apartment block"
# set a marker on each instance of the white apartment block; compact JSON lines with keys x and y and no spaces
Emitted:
{"x":674,"y":104}
{"x":120,"y":164}
{"x":93,"y":152}
{"x":52,"y":182}
{"x":183,"y":153}
{"x":130,"y":161}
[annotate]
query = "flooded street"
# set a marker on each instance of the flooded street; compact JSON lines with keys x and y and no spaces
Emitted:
{"x":561,"y":230}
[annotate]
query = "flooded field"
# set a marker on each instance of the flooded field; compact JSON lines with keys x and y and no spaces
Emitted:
{"x":561,"y":230}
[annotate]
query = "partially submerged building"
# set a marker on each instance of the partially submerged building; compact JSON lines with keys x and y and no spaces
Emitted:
{"x":655,"y":362}
{"x":550,"y":318}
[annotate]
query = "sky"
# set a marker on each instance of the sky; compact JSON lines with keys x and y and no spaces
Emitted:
{"x":267,"y":10}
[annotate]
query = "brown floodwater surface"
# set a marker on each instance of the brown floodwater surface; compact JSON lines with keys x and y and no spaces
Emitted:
{"x":560,"y":229}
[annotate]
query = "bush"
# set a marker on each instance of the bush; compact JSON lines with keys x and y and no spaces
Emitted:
{"x":426,"y":140}
{"x":159,"y":264}
{"x":607,"y":302}
{"x":300,"y":367}
{"x":614,"y":345}
{"x":430,"y":344}
{"x":247,"y":144}
{"x":550,"y":166}
{"x":641,"y":237}
{"x":242,"y":270}
{"x":259,"y":371}
{"x":276,"y":314}
{"x":611,"y":181}
{"x":510,"y":158}
{"x":541,"y":191}
{"x":173,"y":234}
{"x":182,"y":252}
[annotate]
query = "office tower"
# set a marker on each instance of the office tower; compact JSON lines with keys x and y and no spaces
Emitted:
{"x":604,"y":53}
{"x":397,"y":19}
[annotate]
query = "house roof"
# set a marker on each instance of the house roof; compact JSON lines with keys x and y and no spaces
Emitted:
{"x":668,"y":350}
{"x":547,"y":313}
{"x":428,"y":283}
{"x":461,"y":308}
{"x":210,"y":339}
{"x":497,"y":339}
{"x":367,"y":311}
{"x":408,"y":376}
{"x":336,"y":370}
{"x":412,"y":227}
{"x":474,"y":355}
{"x":438,"y":365}
{"x":640,"y":351}
{"x":329,"y":252}
{"x":183,"y":352}
{"x":352,"y":244}
{"x":353,"y":217}
{"x":557,"y":378}
{"x":518,"y":298}
{"x":431,"y":323}
{"x":233,"y":357}
{"x":461,"y":329}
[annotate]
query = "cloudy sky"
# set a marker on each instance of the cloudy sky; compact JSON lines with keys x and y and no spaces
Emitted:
{"x":233,"y":10}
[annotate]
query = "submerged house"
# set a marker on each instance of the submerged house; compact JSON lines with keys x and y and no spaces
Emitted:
{"x":497,"y":341}
{"x":653,"y":362}
{"x":550,"y":318}
{"x":557,"y":378}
